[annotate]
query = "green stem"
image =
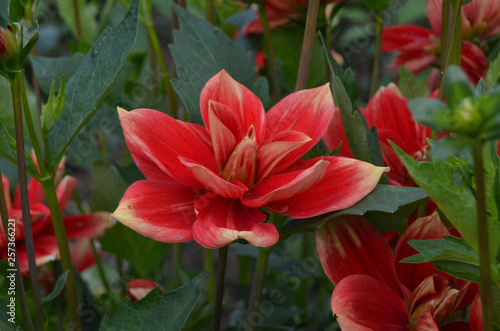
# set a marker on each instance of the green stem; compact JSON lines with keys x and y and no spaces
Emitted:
{"x":19,"y":279}
{"x":177,"y":263}
{"x":23,"y":185}
{"x":220,"y":288}
{"x":163,"y":66}
{"x":482,"y":235}
{"x":208,"y":259}
{"x":379,"y":18}
{"x":257,"y":287}
{"x":451,"y":45}
{"x":271,"y":58}
{"x":102,"y":275}
{"x":307,"y":44}
{"x":210,"y":11}
{"x":31,"y":128}
{"x":78,"y":23}
{"x":62,"y":243}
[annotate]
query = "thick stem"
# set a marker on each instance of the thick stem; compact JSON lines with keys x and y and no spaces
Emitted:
{"x":23,"y":185}
{"x":177,"y":263}
{"x":210,"y":11}
{"x":221,"y":273}
{"x":379,"y":18}
{"x":78,"y":23}
{"x":19,"y":279}
{"x":307,"y":44}
{"x":271,"y":59}
{"x":164,"y":69}
{"x":482,"y":235}
{"x":257,"y":287}
{"x":208,"y":259}
{"x":62,"y":243}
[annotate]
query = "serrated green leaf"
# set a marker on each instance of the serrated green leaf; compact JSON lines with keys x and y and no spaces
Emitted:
{"x":50,"y":69}
{"x":384,"y":199}
{"x":87,"y":88}
{"x":58,"y":287}
{"x":157,"y":311}
{"x":51,"y":111}
{"x":412,"y":86}
{"x":493,"y":73}
{"x":200,"y":52}
{"x":457,"y":204}
{"x":459,"y":270}
{"x":133,"y":247}
{"x":442,"y":250}
{"x":431,"y":112}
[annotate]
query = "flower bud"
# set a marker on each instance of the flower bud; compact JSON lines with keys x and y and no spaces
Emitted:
{"x":7,"y":44}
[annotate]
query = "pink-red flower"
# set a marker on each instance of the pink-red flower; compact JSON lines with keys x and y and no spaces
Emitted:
{"x":388,"y":111}
{"x":139,"y":288}
{"x":208,"y":183}
{"x":373,"y":291}
{"x":46,"y":249}
{"x":419,"y":47}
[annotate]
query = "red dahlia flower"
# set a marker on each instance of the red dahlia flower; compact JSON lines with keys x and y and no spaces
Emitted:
{"x":419,"y":47}
{"x":373,"y":291}
{"x":46,"y":249}
{"x":208,"y":183}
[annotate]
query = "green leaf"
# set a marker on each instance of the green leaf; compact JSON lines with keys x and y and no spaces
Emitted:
{"x":460,"y":270}
{"x":157,"y":311}
{"x":448,"y":146}
{"x":200,"y":52}
{"x":88,"y":12}
{"x":431,"y":112}
{"x":30,"y":37}
{"x":457,"y":204}
{"x":87,"y":88}
{"x":377,"y":5}
{"x":442,"y":250}
{"x":384,"y":199}
{"x":51,"y":111}
{"x":7,"y":322}
{"x":493,"y":74}
{"x":58,"y":287}
{"x":7,"y":145}
{"x":457,"y":86}
{"x":143,"y":254}
{"x":50,"y":69}
{"x":412,"y":86}
{"x":106,"y":197}
{"x":4,"y":13}
{"x":464,"y":2}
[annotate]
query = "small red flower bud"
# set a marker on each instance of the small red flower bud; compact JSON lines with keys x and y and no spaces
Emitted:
{"x":7,"y":44}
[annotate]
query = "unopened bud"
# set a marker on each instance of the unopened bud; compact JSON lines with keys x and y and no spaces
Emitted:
{"x":8,"y":45}
{"x":468,"y":119}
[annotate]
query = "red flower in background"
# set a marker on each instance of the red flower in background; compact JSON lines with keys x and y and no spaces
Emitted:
{"x":388,"y":111}
{"x":208,"y":183}
{"x":281,"y":12}
{"x":46,"y":249}
{"x":374,"y":291}
{"x":419,"y":47}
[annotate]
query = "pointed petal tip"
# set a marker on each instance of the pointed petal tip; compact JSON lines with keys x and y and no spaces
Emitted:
{"x":121,"y":111}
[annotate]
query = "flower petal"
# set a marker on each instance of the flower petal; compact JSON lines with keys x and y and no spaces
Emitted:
{"x":214,"y":182}
{"x":221,"y":221}
{"x":350,"y":245}
{"x":285,"y":185}
{"x":46,"y":250}
{"x":397,"y":37}
{"x":307,"y":111}
{"x":162,"y":210}
{"x":476,"y":314}
{"x":156,"y":139}
{"x":64,"y":190}
{"x":247,"y":108}
{"x":222,"y":125}
{"x":361,"y":302}
{"x":87,"y":225}
{"x":6,"y":191}
{"x":412,"y":274}
{"x":346,"y":181}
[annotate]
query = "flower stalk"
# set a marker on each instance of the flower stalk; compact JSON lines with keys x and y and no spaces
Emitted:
{"x":23,"y":184}
{"x":78,"y":23}
{"x":221,"y":273}
{"x":210,"y":11}
{"x":62,"y":243}
{"x":208,"y":260}
{"x":19,"y":279}
{"x":379,"y":19}
{"x":177,"y":262}
{"x":271,"y":58}
{"x":307,"y":44}
{"x":257,"y":286}
{"x":483,"y":241}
